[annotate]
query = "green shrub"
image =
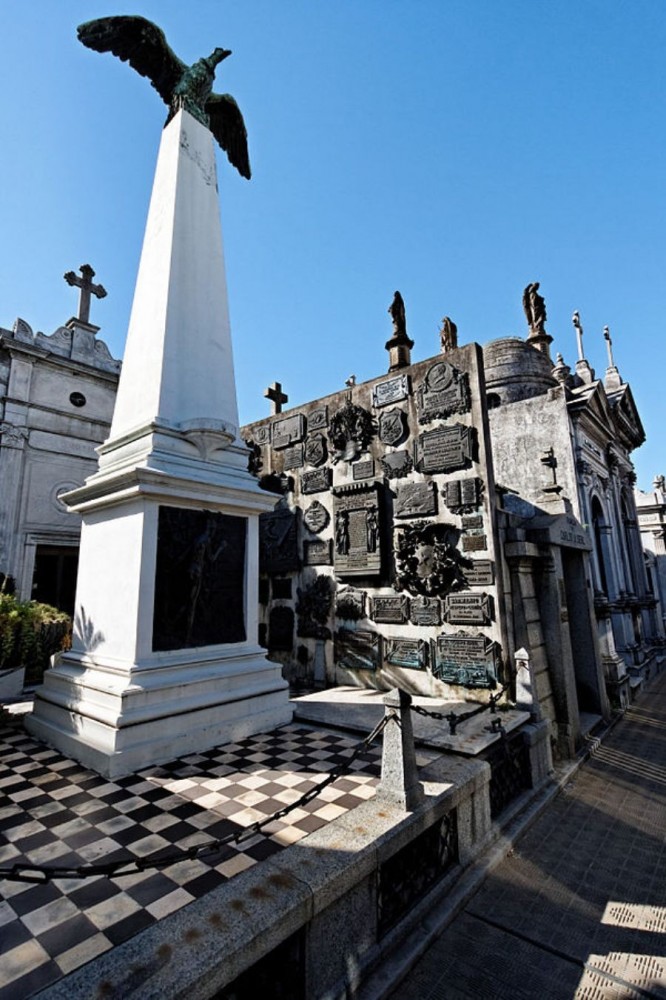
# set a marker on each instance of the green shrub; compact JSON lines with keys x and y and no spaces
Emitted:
{"x":30,"y":633}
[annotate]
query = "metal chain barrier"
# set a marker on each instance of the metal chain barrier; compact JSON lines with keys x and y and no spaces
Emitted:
{"x":40,"y":874}
{"x":455,"y":719}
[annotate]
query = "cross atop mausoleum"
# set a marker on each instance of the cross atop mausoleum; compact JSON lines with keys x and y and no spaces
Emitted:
{"x":276,"y":396}
{"x":86,"y":286}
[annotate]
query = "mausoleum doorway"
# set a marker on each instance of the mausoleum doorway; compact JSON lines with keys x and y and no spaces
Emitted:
{"x":54,"y":576}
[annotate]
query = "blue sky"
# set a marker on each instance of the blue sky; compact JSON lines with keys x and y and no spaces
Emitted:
{"x":455,"y":150}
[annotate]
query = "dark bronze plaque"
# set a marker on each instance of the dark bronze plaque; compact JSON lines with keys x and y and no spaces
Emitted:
{"x":481,"y":573}
{"x":278,"y":547}
{"x":468,"y":660}
{"x":318,"y":419}
{"x":317,"y":553}
{"x":262,"y":434}
{"x":282,"y":589}
{"x":409,"y":653}
{"x":316,"y":481}
{"x":397,"y":464}
{"x":293,"y":457}
{"x":391,"y":391}
{"x":316,"y":517}
{"x":416,"y":500}
{"x":444,"y":391}
{"x":350,"y":604}
{"x":315,"y":449}
{"x":472,"y":521}
{"x":425,"y":611}
{"x":357,"y":650}
{"x":444,"y":449}
{"x":288,"y":430}
{"x":263,"y":590}
{"x":199,"y":579}
{"x":281,"y":629}
{"x":364,"y":469}
{"x":392,"y":427}
{"x":462,"y":496}
{"x":474,"y":543}
{"x":357,"y":535}
{"x":392,"y":610}
{"x":468,"y":609}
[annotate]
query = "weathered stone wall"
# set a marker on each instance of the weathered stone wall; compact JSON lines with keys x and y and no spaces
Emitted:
{"x":379,"y":565}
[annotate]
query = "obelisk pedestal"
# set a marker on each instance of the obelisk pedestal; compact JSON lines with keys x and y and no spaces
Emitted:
{"x":165,"y":658}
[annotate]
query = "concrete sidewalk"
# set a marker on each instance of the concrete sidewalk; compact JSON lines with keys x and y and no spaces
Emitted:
{"x":578,"y":907}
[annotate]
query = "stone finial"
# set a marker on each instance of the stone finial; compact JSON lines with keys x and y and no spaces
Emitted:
{"x":399,"y":780}
{"x":400,"y":345}
{"x":613,"y":379}
{"x":276,"y":396}
{"x":583,"y":370}
{"x":448,"y":335}
{"x":561,"y":372}
{"x":86,"y":289}
{"x":659,"y":484}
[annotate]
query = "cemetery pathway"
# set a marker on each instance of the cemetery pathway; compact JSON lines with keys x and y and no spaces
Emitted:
{"x":578,"y":907}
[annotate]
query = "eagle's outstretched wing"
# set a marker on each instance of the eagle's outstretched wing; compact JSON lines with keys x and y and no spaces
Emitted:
{"x":228,"y":127}
{"x":139,"y":42}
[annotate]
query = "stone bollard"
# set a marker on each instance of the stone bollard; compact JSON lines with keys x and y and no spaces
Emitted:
{"x":526,"y":693}
{"x":399,"y":781}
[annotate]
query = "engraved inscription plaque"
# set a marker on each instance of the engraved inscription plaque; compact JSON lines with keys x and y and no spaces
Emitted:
{"x":278,"y":547}
{"x":425,"y":611}
{"x":416,"y":500}
{"x":199,"y":579}
{"x":318,"y":419}
{"x":468,"y":660}
{"x":391,"y":610}
{"x":409,"y":653}
{"x":288,"y":430}
{"x":318,"y":553}
{"x":391,"y":391}
{"x":462,"y":496}
{"x":316,"y":481}
{"x":357,"y":534}
{"x":444,"y":391}
{"x":481,"y":573}
{"x":397,"y":465}
{"x":474,"y":543}
{"x":392,"y":426}
{"x":350,"y":604}
{"x":444,"y":449}
{"x":316,"y":517}
{"x":293,"y":457}
{"x":262,"y":434}
{"x":468,"y":609}
{"x":315,"y":449}
{"x":364,"y":469}
{"x":472,"y":521}
{"x":357,"y":650}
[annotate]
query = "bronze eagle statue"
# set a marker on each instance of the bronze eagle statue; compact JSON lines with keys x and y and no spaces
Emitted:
{"x":144,"y":46}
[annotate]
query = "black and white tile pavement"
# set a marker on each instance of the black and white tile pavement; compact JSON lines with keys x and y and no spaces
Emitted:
{"x":53,"y":811}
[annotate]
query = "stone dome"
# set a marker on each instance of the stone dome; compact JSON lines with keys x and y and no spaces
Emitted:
{"x":515,"y":370}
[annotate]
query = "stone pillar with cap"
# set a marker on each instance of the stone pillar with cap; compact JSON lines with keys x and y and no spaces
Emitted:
{"x":399,"y":783}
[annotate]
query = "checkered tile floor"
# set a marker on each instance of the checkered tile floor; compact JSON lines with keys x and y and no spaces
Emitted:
{"x":54,"y":811}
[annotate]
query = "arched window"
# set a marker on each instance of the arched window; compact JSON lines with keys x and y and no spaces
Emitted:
{"x":599,"y":522}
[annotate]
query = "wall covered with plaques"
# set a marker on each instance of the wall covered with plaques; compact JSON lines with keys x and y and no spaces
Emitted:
{"x":379,"y":561}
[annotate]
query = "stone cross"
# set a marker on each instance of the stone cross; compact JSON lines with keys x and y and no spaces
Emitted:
{"x":609,"y":345}
{"x":276,"y":396}
{"x":85,"y":284}
{"x":575,"y":319}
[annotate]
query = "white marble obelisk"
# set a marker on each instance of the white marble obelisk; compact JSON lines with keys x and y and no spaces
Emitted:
{"x":165,"y":658}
